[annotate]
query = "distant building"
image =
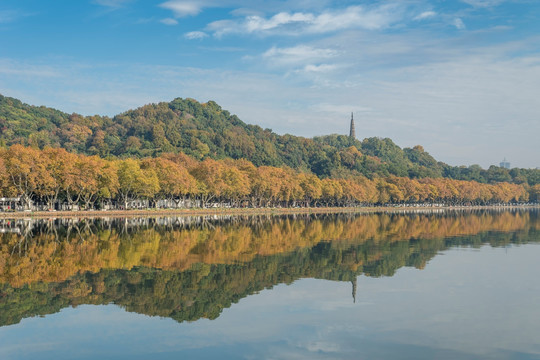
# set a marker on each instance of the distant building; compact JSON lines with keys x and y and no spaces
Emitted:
{"x":505,"y":164}
{"x":352,"y":133}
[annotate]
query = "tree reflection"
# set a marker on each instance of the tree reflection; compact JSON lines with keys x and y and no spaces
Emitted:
{"x":191,"y":268}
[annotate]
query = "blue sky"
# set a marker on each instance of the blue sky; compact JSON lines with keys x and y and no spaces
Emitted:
{"x":461,"y":78}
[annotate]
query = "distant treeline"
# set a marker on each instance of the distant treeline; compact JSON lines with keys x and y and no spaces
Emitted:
{"x":207,"y":131}
{"x":54,"y":176}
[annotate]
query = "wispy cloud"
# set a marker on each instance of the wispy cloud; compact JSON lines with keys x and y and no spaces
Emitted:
{"x":182,"y":8}
{"x":256,"y":23}
{"x":352,"y":17}
{"x":195,"y":35}
{"x":425,"y":15}
{"x":459,"y":24}
{"x":169,"y":21}
{"x":319,"y":69}
{"x":298,"y":55}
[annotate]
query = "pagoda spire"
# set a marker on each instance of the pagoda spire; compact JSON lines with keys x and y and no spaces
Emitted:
{"x":353,"y":282}
{"x":352,"y":133}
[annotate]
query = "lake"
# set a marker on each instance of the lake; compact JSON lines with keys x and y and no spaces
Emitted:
{"x":418,"y":285}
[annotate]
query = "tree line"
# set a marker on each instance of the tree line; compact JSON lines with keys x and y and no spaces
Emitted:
{"x":205,"y":130}
{"x":53,"y":177}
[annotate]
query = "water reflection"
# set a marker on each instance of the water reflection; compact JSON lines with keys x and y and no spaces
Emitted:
{"x":192,"y":268}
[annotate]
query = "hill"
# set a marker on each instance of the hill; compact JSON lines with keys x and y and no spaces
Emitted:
{"x":204,"y":130}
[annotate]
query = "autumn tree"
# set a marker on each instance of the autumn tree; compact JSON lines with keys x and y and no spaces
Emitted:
{"x":135,"y":182}
{"x":24,"y":170}
{"x":175,"y":182}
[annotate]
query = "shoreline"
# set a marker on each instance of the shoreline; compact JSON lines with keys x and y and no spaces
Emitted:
{"x":250,"y":211}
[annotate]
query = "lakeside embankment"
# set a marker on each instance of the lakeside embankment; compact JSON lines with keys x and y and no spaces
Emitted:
{"x":251,"y":211}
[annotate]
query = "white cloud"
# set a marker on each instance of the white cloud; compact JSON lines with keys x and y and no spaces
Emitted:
{"x":195,"y":35}
{"x":356,"y":17}
{"x":322,"y":68}
{"x":300,"y":54}
{"x":246,"y":12}
{"x":425,"y":15}
{"x":459,"y":24}
{"x":183,"y":8}
{"x":223,"y":27}
{"x":169,"y":21}
{"x":256,"y":23}
{"x":353,"y":17}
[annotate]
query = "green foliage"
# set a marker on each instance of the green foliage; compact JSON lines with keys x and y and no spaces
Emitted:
{"x":205,"y":130}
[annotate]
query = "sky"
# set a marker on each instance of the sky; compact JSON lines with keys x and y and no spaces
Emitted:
{"x":461,"y":78}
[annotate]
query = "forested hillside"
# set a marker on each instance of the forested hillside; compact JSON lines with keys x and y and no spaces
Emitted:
{"x":207,"y":131}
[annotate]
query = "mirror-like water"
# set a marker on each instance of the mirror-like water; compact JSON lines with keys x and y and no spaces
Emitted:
{"x":425,"y":285}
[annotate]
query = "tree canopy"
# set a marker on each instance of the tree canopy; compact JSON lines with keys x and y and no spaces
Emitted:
{"x":205,"y":130}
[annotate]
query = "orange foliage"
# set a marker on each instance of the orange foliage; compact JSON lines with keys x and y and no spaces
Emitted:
{"x":50,"y":258}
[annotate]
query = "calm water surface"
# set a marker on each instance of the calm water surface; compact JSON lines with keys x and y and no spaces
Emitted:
{"x":449,"y":285}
